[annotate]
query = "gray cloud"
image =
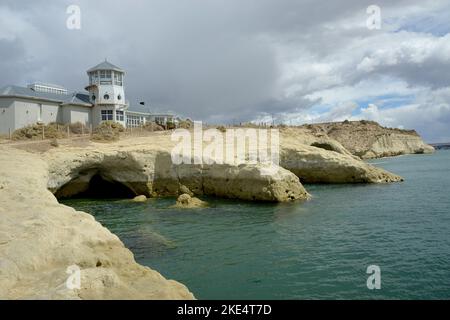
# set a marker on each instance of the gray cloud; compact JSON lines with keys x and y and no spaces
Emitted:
{"x":222,"y":60}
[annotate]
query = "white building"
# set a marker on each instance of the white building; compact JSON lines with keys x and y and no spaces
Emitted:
{"x":46,"y":103}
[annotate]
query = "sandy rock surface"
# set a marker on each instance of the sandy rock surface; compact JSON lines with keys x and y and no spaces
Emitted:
{"x":40,"y":239}
{"x":368,"y":140}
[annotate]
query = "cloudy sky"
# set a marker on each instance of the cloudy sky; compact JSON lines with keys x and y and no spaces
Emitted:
{"x":298,"y":61}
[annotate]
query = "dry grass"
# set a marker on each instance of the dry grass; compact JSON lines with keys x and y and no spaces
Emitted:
{"x":49,"y":131}
{"x":152,"y":126}
{"x":107,"y":131}
{"x":78,"y":128}
{"x":186,"y":124}
{"x":38,"y":131}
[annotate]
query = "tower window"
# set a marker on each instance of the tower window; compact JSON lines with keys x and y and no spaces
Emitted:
{"x":119,"y":97}
{"x":118,"y":78}
{"x":106,"y":97}
{"x":93,"y":78}
{"x":105,"y":77}
{"x":93,"y":97}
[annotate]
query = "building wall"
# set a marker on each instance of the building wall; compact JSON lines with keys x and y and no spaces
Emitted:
{"x":96,"y":113}
{"x":97,"y":117}
{"x":51,"y":113}
{"x":30,"y":112}
{"x":73,"y":114}
{"x":6,"y":115}
{"x":134,"y":120}
{"x":112,"y":91}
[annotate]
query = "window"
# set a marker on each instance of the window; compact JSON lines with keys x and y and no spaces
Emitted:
{"x":105,"y":77}
{"x":107,"y":115}
{"x":119,"y":115}
{"x":160,"y":120}
{"x":106,"y":97}
{"x":118,"y":78}
{"x":93,"y":97}
{"x":119,"y":97}
{"x":93,"y":78}
{"x":134,"y":120}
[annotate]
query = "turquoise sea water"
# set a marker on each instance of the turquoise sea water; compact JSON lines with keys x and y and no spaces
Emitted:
{"x":314,"y":250}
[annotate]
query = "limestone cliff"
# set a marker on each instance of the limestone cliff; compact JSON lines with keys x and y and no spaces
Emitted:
{"x":323,"y":160}
{"x":40,"y":240}
{"x":150,"y":172}
{"x":367,"y":139}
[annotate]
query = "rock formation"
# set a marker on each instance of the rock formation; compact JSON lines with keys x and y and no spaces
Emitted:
{"x":41,"y":240}
{"x":140,"y":198}
{"x":151,"y":172}
{"x":185,"y":201}
{"x":323,"y":160}
{"x":367,"y":139}
{"x":315,"y":165}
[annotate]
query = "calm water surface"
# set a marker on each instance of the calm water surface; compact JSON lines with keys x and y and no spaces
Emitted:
{"x":314,"y":250}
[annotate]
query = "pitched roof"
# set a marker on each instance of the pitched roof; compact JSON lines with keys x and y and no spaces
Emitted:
{"x":22,"y":92}
{"x":105,"y":65}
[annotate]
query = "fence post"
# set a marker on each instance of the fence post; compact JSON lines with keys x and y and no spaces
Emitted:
{"x":43,"y":132}
{"x":10,"y":134}
{"x":91,"y":128}
{"x":82,"y":129}
{"x":68,"y":132}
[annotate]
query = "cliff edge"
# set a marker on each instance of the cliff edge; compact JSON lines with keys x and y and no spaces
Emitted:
{"x":368,"y":139}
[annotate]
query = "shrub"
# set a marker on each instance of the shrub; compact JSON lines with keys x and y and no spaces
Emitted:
{"x":108,"y":131}
{"x":78,"y":128}
{"x":170,"y":125}
{"x":34,"y":131}
{"x":152,"y":126}
{"x":186,"y":124}
{"x":221,"y":128}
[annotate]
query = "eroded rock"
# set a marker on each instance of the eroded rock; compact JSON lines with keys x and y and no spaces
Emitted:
{"x":140,"y":198}
{"x":43,"y":238}
{"x":188,"y":202}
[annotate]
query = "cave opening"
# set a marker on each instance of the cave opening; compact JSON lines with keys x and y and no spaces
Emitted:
{"x":97,"y":188}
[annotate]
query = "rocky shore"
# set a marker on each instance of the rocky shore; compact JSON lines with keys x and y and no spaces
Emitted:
{"x":40,"y":238}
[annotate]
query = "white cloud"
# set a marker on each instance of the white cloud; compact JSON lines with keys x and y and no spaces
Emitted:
{"x":430,"y":116}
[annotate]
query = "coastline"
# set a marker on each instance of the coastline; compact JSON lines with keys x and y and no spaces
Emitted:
{"x":40,"y":270}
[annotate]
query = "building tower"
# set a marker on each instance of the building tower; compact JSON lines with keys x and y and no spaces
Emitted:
{"x":106,"y":93}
